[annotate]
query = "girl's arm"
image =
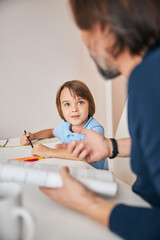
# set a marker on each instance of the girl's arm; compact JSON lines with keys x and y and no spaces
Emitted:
{"x":46,"y":152}
{"x":47,"y":133}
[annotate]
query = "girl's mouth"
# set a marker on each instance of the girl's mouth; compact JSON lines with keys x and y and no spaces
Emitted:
{"x":76,"y":116}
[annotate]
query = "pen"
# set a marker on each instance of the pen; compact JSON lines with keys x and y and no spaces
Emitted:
{"x":28,"y":139}
{"x":28,"y":159}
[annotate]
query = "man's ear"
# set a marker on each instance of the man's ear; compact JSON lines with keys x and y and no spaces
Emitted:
{"x":101,"y":27}
{"x":97,"y":27}
{"x":101,"y":31}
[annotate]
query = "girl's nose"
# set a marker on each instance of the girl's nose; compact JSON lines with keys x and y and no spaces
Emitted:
{"x":74,"y":108}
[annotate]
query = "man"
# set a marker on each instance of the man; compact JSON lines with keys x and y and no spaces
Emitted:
{"x":123,"y":37}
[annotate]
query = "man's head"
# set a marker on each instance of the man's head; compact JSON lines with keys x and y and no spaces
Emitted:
{"x":110,"y":27}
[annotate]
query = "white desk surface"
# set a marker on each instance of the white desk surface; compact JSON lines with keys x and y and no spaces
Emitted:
{"x":56,"y":222}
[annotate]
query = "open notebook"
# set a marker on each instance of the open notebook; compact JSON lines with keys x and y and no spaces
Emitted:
{"x":46,"y":172}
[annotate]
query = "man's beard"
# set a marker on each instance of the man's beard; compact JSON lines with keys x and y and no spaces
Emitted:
{"x":107,"y":73}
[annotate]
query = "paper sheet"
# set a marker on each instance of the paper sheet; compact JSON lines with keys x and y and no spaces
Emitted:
{"x":46,"y":172}
{"x":14,"y":150}
{"x":99,"y":181}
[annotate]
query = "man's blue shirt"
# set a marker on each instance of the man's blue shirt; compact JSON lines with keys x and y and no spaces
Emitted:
{"x":144,"y":127}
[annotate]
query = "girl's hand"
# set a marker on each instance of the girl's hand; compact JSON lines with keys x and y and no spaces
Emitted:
{"x":42,"y":151}
{"x":24,"y":139}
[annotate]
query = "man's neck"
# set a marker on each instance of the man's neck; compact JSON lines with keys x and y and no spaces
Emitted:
{"x":127,"y":63}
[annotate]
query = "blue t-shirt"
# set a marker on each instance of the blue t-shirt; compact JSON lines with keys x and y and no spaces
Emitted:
{"x":65,"y":134}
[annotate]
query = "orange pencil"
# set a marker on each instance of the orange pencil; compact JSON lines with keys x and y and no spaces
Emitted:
{"x":29,"y":159}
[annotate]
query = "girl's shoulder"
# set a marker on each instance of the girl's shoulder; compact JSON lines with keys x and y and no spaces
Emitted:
{"x":92,"y":123}
{"x":62,"y":127}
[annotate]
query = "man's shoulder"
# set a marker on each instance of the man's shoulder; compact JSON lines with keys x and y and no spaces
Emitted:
{"x":148,"y":71}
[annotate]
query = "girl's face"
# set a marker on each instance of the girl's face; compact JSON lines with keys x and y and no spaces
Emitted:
{"x":75,"y":109}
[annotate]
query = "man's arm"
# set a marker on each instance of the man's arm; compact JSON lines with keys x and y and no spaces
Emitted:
{"x":75,"y":195}
{"x":135,"y":222}
{"x":126,"y":221}
{"x":124,"y":147}
{"x":95,"y":146}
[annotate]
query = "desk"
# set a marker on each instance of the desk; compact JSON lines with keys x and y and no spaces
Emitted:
{"x":56,"y":222}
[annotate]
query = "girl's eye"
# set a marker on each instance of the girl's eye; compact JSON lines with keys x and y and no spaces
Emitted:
{"x":80,"y":102}
{"x":66,"y":104}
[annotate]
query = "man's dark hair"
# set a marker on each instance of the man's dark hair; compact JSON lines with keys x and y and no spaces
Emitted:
{"x":134,"y":23}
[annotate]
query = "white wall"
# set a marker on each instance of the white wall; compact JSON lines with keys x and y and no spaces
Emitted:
{"x":40,"y":48}
{"x":121,"y":166}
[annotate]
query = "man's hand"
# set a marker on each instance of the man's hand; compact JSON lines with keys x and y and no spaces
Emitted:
{"x":93,"y":148}
{"x":74,"y":195}
{"x":42,"y":151}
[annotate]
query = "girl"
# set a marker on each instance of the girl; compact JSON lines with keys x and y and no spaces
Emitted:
{"x":76,"y":107}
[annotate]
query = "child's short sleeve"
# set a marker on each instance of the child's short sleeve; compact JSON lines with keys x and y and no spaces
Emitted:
{"x":57,"y":132}
{"x":94,"y":125}
{"x":99,"y":129}
{"x":63,"y":132}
